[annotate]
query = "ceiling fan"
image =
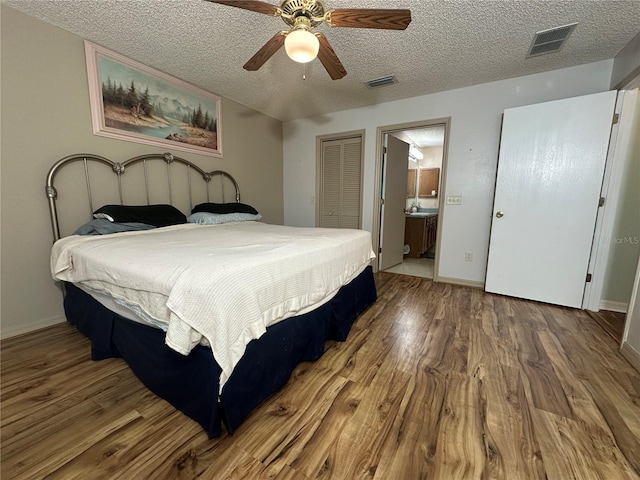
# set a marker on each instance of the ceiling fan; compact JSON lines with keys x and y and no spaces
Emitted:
{"x":301,"y":43}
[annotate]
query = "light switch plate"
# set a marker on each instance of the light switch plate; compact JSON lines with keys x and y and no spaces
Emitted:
{"x":454,"y":199}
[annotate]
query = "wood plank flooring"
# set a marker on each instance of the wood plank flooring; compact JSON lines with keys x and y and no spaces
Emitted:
{"x":434,"y":382}
{"x":611,"y":322}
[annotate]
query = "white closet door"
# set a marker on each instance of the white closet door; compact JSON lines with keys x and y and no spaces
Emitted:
{"x":550,"y":169}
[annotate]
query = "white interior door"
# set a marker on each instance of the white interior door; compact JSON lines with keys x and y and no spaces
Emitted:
{"x":550,"y":169}
{"x":394,"y":193}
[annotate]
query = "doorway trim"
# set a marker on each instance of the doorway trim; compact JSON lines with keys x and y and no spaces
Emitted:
{"x":619,"y":139}
{"x":377,"y":186}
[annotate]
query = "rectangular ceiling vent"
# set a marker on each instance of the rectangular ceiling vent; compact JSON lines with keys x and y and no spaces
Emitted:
{"x":550,"y":41}
{"x":381,"y":82}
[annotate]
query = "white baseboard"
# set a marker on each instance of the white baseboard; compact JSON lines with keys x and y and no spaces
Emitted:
{"x":20,"y":329}
{"x":631,"y":354}
{"x":619,"y":307}
{"x":461,"y":281}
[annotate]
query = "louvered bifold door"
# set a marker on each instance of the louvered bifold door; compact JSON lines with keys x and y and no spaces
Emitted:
{"x":331,"y":183}
{"x":341,"y":174}
{"x":351,"y":198}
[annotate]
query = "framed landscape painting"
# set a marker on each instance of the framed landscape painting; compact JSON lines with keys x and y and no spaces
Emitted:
{"x":130,"y":101}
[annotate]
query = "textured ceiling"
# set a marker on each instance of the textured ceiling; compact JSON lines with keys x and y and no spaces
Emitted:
{"x":427,"y":137}
{"x":449,"y":44}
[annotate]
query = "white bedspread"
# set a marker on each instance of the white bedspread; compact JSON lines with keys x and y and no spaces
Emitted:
{"x":224,"y":282}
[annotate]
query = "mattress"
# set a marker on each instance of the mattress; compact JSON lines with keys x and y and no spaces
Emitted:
{"x":224,"y":283}
{"x":123,"y":309}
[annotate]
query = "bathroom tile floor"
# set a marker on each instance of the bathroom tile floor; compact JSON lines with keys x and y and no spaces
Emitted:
{"x":417,"y":267}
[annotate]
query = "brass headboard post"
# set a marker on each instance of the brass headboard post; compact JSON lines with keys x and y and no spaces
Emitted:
{"x":119,"y":169}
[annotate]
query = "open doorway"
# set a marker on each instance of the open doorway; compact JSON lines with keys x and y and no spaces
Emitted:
{"x":423,"y":198}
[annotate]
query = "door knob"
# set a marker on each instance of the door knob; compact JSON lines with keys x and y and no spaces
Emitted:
{"x":500,"y":214}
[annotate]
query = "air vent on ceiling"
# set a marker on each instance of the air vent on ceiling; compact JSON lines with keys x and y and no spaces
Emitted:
{"x":381,"y":82}
{"x":550,"y":41}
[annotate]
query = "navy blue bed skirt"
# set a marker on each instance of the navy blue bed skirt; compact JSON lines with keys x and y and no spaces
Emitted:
{"x":191,"y":383}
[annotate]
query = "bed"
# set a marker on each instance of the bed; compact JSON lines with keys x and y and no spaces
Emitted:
{"x":212,"y":313}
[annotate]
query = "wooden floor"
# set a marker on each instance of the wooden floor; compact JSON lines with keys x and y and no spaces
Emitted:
{"x":435,"y":381}
{"x":611,"y":322}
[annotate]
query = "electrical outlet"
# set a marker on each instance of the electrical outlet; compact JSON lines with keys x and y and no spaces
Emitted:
{"x":313,"y":200}
{"x":468,"y":256}
{"x":454,"y":199}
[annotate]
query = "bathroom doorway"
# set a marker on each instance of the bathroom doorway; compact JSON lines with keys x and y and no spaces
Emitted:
{"x":422,"y":215}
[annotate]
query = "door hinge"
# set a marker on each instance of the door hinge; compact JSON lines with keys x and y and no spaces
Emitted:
{"x":384,"y":150}
{"x":588,"y":277}
{"x":601,"y":202}
{"x":616,"y":118}
{"x":380,"y":250}
{"x":382,"y":201}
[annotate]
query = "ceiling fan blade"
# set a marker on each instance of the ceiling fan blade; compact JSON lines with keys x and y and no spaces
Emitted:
{"x":266,"y":52}
{"x":383,"y":18}
{"x":329,"y":59}
{"x":254,"y":6}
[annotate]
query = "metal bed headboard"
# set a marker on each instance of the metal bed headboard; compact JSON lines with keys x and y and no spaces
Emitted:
{"x":120,"y":168}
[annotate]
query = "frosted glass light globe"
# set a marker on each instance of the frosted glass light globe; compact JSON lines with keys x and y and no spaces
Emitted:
{"x":301,"y":45}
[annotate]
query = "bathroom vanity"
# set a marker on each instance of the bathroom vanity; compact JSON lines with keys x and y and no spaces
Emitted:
{"x":420,"y":231}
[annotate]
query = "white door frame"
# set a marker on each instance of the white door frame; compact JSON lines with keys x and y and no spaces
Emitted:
{"x":618,"y":148}
{"x":377,"y":186}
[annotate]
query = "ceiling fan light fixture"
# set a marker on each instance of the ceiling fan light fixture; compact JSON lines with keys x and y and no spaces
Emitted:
{"x":302,"y":16}
{"x":301,"y":45}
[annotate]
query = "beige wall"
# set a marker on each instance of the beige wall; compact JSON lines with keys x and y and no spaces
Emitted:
{"x":626,"y":65}
{"x":631,"y":338}
{"x":631,"y":341}
{"x":476,"y":114}
{"x":45,"y":116}
{"x":625,"y":237}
